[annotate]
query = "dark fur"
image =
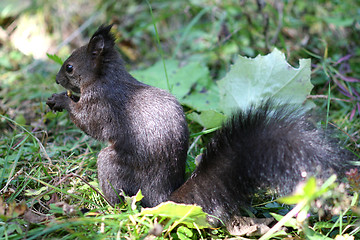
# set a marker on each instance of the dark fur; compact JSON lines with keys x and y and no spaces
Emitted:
{"x":259,"y":148}
{"x":145,"y":126}
{"x":148,"y":138}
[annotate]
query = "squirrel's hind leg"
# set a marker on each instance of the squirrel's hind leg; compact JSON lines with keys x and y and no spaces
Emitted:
{"x":114,"y":175}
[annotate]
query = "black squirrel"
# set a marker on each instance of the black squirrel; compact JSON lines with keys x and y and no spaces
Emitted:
{"x":148,"y":138}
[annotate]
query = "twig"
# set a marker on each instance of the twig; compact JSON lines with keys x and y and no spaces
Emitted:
{"x":66,"y":177}
{"x":32,"y":135}
{"x":326,"y":97}
{"x":77,"y":32}
{"x":338,"y":128}
{"x":12,"y":178}
{"x":194,"y":142}
{"x":100,"y":193}
{"x":279,"y":5}
{"x":287,"y":217}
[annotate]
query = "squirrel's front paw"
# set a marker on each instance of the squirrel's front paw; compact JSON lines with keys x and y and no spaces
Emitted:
{"x":58,"y":101}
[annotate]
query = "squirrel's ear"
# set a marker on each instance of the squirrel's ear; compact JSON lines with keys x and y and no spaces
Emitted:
{"x":96,"y":46}
{"x":101,"y":41}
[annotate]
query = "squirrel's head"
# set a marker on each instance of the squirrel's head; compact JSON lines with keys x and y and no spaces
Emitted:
{"x":86,"y":63}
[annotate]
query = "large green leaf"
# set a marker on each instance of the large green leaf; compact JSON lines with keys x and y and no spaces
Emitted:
{"x":181,"y":78}
{"x":251,"y":80}
{"x":205,"y":97}
{"x":186,"y":214}
{"x":207,"y":119}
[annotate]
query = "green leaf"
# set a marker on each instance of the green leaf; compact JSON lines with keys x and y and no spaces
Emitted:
{"x":328,"y":184}
{"x":312,"y":235}
{"x":55,"y":58}
{"x":85,"y":186}
{"x":309,"y":191}
{"x":290,"y":223}
{"x":186,"y":214}
{"x":13,"y":8}
{"x":207,"y":119}
{"x":325,"y":225}
{"x":138,"y":196}
{"x":292,"y":199}
{"x":355,"y":199}
{"x":56,"y":209}
{"x":20,"y":119}
{"x":205,"y":97}
{"x":310,"y":187}
{"x":35,"y":192}
{"x":181,"y":78}
{"x":339,"y":21}
{"x":250,"y":81}
{"x":184,"y":233}
{"x":51,"y":115}
{"x":131,"y":201}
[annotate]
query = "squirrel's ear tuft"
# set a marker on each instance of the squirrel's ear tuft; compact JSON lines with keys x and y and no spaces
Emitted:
{"x":101,"y":41}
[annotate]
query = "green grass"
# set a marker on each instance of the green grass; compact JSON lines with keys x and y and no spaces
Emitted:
{"x":47,"y":164}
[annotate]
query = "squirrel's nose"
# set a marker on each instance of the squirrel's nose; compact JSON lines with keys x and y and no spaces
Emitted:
{"x":57,"y":79}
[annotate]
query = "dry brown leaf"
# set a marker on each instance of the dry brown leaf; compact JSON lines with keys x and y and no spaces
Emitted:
{"x":247,"y":226}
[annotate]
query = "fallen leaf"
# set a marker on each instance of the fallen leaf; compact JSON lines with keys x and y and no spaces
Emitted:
{"x":247,"y":226}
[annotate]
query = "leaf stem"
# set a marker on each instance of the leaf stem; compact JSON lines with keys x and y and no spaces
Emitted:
{"x":159,"y":47}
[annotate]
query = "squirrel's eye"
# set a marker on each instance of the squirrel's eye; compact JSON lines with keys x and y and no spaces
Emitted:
{"x":69,"y":68}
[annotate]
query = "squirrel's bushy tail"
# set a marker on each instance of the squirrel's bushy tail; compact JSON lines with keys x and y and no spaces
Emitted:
{"x":259,"y":148}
